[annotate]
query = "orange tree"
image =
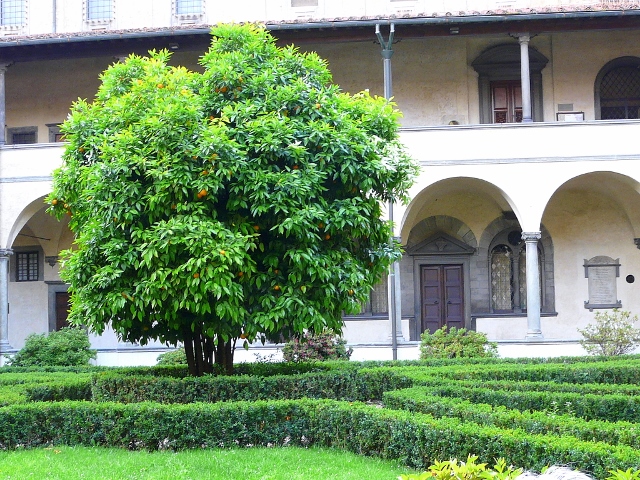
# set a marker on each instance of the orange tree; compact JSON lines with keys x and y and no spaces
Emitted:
{"x":243,"y":202}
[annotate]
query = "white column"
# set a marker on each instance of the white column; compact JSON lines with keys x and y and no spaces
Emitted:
{"x":4,"y":300}
{"x":3,"y":116}
{"x":525,"y":77}
{"x":534,"y":331}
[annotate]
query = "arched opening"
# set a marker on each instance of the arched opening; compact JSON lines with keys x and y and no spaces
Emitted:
{"x":617,"y":90}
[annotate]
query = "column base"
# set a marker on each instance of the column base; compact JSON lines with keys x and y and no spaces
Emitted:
{"x":534,"y":335}
{"x":5,"y":347}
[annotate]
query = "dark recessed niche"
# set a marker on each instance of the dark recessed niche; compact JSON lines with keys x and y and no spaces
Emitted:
{"x":630,"y":279}
{"x":515,"y":238}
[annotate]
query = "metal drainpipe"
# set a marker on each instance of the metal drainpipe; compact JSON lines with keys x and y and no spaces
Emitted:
{"x":55,"y":17}
{"x":387,"y":52}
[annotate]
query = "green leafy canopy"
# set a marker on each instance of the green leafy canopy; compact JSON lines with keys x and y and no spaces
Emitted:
{"x":240,"y":201}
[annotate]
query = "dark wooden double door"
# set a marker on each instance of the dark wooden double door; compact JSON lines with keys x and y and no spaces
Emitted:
{"x":62,"y":309}
{"x":442,"y":296}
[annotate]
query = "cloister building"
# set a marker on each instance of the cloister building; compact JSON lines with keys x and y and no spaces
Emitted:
{"x":523,"y":114}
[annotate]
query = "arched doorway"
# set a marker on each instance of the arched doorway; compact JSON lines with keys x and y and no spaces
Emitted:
{"x":499,"y":83}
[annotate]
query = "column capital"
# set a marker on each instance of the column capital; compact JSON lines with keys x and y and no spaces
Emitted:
{"x":531,"y":236}
{"x":5,"y":252}
{"x":522,"y":37}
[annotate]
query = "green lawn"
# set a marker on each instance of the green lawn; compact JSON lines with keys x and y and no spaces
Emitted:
{"x":71,"y":463}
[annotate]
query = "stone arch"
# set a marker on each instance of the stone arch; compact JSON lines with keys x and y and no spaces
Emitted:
{"x":627,"y":66}
{"x":443,"y":224}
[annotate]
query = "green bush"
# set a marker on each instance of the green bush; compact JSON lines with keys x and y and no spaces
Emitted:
{"x":316,"y":347}
{"x":469,"y":470}
{"x":344,"y":385}
{"x":419,"y":399}
{"x":588,"y":406}
{"x":613,"y":333}
{"x":413,"y":438}
{"x":174,"y":357}
{"x":456,"y":343}
{"x":66,"y":347}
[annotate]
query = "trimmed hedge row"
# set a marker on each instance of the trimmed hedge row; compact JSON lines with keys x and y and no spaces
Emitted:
{"x":612,"y":372}
{"x":523,"y":385}
{"x":613,"y":408}
{"x":418,"y":399}
{"x":416,"y":439}
{"x":365,"y":384}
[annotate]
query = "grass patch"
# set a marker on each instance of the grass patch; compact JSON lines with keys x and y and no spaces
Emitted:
{"x":71,"y":463}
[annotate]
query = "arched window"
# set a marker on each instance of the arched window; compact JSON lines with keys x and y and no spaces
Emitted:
{"x":508,"y":273}
{"x":617,"y":90}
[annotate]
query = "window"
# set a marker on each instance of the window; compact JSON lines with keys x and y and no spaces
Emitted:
{"x":99,"y":10}
{"x":508,"y":273}
{"x":378,"y":300}
{"x":55,"y":135}
{"x":499,"y":67}
{"x":22,"y":135}
{"x":12,"y":12}
{"x":618,"y":90}
{"x":188,"y":7}
{"x":27,"y":266}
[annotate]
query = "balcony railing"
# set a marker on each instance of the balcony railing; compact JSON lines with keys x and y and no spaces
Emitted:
{"x":533,"y":142}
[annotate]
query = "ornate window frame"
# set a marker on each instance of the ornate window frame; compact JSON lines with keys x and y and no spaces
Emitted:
{"x":502,"y":62}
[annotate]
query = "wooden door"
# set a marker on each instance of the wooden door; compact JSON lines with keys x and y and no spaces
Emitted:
{"x":442,"y":288}
{"x":506,"y":98}
{"x":62,"y":309}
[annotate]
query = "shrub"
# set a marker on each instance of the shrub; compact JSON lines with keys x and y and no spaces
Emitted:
{"x":612,"y":334}
{"x":316,"y":346}
{"x":456,"y":343}
{"x":174,"y":357}
{"x":66,"y":347}
{"x":469,"y":470}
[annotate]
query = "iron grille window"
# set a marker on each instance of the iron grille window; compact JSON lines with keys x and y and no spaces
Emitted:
{"x":99,"y":9}
{"x":12,"y":12}
{"x":23,"y":138}
{"x":188,"y":7}
{"x":620,"y":93}
{"x":377,"y":303}
{"x":27,"y":266}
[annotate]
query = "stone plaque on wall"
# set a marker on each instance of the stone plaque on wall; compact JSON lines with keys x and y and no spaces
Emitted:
{"x":602,"y":273}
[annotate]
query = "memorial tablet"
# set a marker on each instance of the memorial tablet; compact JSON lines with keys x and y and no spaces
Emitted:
{"x":602,"y":273}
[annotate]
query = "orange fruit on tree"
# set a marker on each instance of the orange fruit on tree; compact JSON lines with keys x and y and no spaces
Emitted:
{"x":256,"y":227}
{"x":243,"y":336}
{"x":54,"y":201}
{"x":196,"y":275}
{"x":240,"y":274}
{"x":223,"y":253}
{"x":327,"y":236}
{"x":160,"y":85}
{"x":202,"y":193}
{"x":277,"y":288}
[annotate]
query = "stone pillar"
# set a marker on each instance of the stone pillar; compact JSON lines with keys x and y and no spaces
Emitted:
{"x":534,"y":331}
{"x":4,"y":300}
{"x":3,"y":115}
{"x":525,"y":78}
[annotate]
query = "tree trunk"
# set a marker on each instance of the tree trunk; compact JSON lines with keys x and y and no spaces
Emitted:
{"x":203,"y":351}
